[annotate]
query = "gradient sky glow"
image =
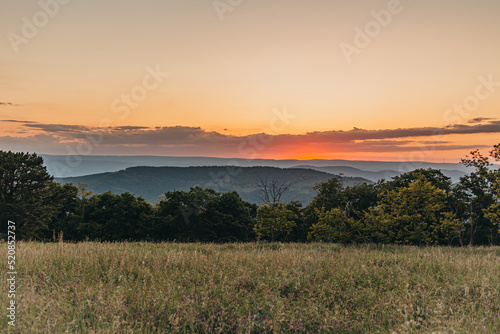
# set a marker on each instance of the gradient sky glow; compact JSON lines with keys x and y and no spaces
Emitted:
{"x":229,"y":78}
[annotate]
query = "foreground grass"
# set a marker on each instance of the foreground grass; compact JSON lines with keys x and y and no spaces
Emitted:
{"x":254,"y":288}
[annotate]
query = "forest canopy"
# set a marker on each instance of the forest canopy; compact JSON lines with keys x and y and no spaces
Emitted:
{"x":420,"y":207}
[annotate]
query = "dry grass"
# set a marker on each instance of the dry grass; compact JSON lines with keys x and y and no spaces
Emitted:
{"x":255,"y":288}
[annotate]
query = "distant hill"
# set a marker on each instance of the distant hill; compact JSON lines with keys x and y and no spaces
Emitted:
{"x":74,"y":165}
{"x":376,"y":175}
{"x":151,"y":182}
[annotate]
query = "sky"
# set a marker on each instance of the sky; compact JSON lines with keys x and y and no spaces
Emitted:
{"x":278,"y":79}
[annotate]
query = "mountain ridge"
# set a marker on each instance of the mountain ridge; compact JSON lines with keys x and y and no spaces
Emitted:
{"x":74,"y":165}
{"x":151,"y":182}
{"x":374,"y":176}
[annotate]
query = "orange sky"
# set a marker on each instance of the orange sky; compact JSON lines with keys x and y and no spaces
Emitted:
{"x":231,"y":69}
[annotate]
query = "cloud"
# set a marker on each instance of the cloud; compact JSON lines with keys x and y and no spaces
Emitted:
{"x":480,"y":120}
{"x":58,"y":128}
{"x":184,"y":140}
{"x":40,"y":143}
{"x":129,"y":128}
{"x":16,"y":121}
{"x":10,"y":104}
{"x":362,"y":134}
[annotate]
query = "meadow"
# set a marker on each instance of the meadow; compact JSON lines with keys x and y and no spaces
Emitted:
{"x":92,"y":287}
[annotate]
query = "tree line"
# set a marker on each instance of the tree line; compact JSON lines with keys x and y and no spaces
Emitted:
{"x":421,"y":207}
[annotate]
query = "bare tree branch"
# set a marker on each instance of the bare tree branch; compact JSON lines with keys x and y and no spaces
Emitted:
{"x":271,"y":191}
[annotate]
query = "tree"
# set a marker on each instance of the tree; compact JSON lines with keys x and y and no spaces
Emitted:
{"x":454,"y":202}
{"x":271,"y":191}
{"x":493,"y":211}
{"x":329,"y":194}
{"x":113,"y":217}
{"x":203,"y":215}
{"x":416,"y":214}
{"x":177,"y":214}
{"x":360,"y":198}
{"x":68,"y":219}
{"x":345,"y":223}
{"x":83,"y":196}
{"x":301,"y":229}
{"x":477,"y":193}
{"x":228,"y":218}
{"x":26,"y":189}
{"x":434,"y":176}
{"x":333,"y":226}
{"x":349,"y":202}
{"x":274,"y":219}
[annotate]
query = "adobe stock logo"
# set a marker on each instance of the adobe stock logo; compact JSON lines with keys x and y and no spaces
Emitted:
{"x":363,"y":37}
{"x":251,"y":146}
{"x":31,"y":27}
{"x":462,"y":111}
{"x":150,"y":81}
{"x":223,"y":6}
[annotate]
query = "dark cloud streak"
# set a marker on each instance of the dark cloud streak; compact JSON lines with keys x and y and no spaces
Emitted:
{"x":57,"y":128}
{"x":480,"y":120}
{"x":16,"y":121}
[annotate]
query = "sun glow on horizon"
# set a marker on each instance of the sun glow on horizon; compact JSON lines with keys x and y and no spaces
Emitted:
{"x":178,"y":80}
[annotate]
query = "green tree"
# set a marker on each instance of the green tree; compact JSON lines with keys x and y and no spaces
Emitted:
{"x":329,"y":195}
{"x":301,"y":229}
{"x":453,"y":201}
{"x":349,"y":205}
{"x":113,"y":217}
{"x":177,"y":214}
{"x":360,"y":198}
{"x":334,"y":226}
{"x":228,"y":218}
{"x":26,"y":190}
{"x":83,"y":196}
{"x":345,"y":223}
{"x":493,"y":211}
{"x":477,"y":193}
{"x":416,"y":215}
{"x":68,"y":219}
{"x":434,"y":176}
{"x":203,"y":215}
{"x":274,"y":219}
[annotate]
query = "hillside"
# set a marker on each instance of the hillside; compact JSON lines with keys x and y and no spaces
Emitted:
{"x":63,"y":166}
{"x":151,"y":182}
{"x":374,"y":176}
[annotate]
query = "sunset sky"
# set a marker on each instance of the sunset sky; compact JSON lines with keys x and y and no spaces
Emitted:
{"x":282,"y":79}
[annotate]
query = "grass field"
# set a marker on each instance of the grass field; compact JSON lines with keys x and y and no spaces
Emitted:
{"x":254,"y":288}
